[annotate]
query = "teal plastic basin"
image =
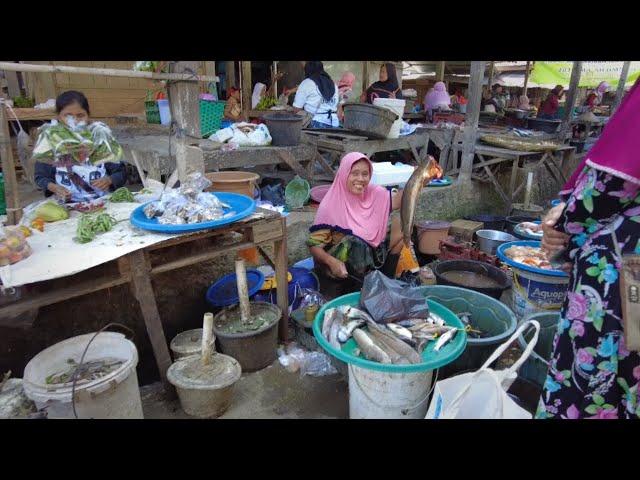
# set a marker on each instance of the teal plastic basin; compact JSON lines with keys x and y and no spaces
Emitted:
{"x":487,"y":313}
{"x":431,"y":359}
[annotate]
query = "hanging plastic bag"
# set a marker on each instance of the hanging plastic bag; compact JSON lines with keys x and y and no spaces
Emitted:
{"x":296,"y":193}
{"x":105,"y":147}
{"x":483,"y":394}
{"x":389,"y":300}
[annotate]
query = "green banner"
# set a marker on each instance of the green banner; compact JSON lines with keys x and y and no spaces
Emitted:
{"x":559,"y":73}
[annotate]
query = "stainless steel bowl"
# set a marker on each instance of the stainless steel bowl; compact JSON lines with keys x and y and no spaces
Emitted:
{"x":490,"y":240}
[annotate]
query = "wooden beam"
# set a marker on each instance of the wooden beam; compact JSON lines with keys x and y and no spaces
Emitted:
{"x":143,"y":291}
{"x":14,"y":212}
{"x":572,"y":95}
{"x":185,"y":115}
{"x":492,"y":67}
{"x":230,"y":72}
{"x":365,"y":76}
{"x":105,"y":72}
{"x":440,"y":71}
{"x":471,"y":121}
{"x":13,"y":85}
{"x":280,"y":248}
{"x":247,"y":91}
{"x":620,"y":89}
{"x":526,"y":78}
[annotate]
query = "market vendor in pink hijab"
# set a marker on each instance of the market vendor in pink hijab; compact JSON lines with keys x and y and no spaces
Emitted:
{"x":437,"y":97}
{"x":352,"y":233}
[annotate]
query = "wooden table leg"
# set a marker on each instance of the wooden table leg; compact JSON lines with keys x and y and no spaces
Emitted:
{"x":280,"y":247}
{"x":143,"y":291}
{"x":512,"y":181}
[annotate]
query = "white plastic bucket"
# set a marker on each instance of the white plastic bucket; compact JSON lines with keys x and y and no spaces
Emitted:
{"x":116,"y":395}
{"x":384,"y":395}
{"x":165,"y":112}
{"x":396,"y":106}
{"x":535,"y":293}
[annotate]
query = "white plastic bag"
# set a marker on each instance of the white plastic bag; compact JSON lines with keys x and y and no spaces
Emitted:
{"x":483,"y":394}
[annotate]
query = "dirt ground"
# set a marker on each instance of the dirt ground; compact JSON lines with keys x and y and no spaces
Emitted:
{"x":269,"y":393}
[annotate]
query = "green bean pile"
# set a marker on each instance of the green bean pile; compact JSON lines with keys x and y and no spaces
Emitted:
{"x":122,"y":195}
{"x":89,"y":226}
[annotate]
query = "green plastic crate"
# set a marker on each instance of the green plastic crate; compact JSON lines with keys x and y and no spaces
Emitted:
{"x":211,"y":115}
{"x":152,"y":111}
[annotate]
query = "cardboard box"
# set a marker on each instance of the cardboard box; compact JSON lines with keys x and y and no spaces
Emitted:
{"x":464,"y":229}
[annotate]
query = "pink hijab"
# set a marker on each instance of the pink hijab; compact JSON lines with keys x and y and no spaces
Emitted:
{"x":365,"y":216}
{"x":346,"y":82}
{"x":617,"y":151}
{"x":437,"y":96}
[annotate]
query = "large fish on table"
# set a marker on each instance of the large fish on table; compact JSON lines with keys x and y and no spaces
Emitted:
{"x":420,"y":177}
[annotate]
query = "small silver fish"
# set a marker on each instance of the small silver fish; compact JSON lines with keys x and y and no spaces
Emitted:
{"x":353,"y":313}
{"x":424,"y":336}
{"x":329,"y":317}
{"x":346,"y":331}
{"x":444,"y":338}
{"x":401,"y":332}
{"x":437,"y":319}
{"x":369,"y":348}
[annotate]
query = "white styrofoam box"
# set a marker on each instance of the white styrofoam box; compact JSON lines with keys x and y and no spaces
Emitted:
{"x":385,"y":173}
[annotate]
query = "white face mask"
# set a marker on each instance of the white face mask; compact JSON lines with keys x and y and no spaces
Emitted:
{"x":73,"y":124}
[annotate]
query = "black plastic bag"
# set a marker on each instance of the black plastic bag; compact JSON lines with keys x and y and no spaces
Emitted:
{"x":273,"y":194}
{"x":389,"y":300}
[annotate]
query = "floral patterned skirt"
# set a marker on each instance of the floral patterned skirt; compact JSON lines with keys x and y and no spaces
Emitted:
{"x":591,"y":373}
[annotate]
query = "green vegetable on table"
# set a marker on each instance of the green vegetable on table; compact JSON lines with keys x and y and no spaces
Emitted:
{"x":89,"y":226}
{"x":266,"y":103}
{"x":122,"y":195}
{"x":51,"y":212}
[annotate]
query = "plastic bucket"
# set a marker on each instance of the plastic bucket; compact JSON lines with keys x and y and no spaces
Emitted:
{"x":254,"y":350}
{"x":490,"y":222}
{"x":430,"y":234}
{"x":397,"y":107}
{"x":285,"y":128}
{"x":115,"y":395}
{"x":186,"y":343}
{"x":240,"y":182}
{"x":205,"y":392}
{"x":383,"y":395}
{"x":165,"y":112}
{"x":487,"y":314}
{"x":536,"y":366}
{"x":534,"y":292}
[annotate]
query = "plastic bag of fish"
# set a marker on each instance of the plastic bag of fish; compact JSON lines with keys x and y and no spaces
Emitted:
{"x":187,"y":204}
{"x":393,"y":343}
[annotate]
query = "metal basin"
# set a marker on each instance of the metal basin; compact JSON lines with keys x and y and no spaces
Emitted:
{"x":490,"y":240}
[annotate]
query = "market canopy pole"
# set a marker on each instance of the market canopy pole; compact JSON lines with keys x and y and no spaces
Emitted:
{"x":621,"y":83}
{"x":440,"y":71}
{"x":106,"y":72}
{"x":471,"y":121}
{"x":492,"y":67}
{"x":526,"y":78}
{"x":365,"y":76}
{"x":184,"y":97}
{"x":245,"y":72}
{"x":14,"y":212}
{"x":572,"y":95}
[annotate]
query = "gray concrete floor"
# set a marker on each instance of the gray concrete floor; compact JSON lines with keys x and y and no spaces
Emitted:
{"x":271,"y":393}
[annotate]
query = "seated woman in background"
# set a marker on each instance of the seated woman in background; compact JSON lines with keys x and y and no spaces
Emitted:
{"x":232,"y":109}
{"x":318,"y":95}
{"x":351,"y":234}
{"x":66,"y":178}
{"x":386,"y":87}
{"x":437,"y":97}
{"x":549,"y":108}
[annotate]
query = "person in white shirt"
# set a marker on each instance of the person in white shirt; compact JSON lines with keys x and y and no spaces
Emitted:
{"x":318,"y":95}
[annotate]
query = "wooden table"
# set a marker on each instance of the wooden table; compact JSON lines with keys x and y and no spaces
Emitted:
{"x":337,"y":142}
{"x":152,"y":152}
{"x":491,"y":157}
{"x":31,"y":114}
{"x":138,"y":268}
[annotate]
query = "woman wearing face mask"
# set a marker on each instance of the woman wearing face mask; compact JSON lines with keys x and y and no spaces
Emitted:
{"x":386,"y":87}
{"x":68,"y":179}
{"x":352,"y":234}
